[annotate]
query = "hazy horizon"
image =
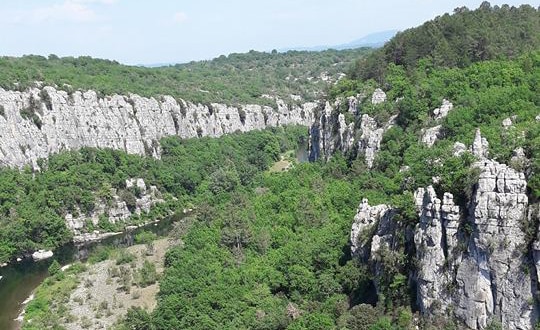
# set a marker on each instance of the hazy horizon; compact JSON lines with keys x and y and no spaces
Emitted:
{"x":174,"y":32}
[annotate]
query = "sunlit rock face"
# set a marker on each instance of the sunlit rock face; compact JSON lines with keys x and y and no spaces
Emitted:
{"x":480,"y":277}
{"x":330,"y":132}
{"x":479,"y":262}
{"x":40,"y":122}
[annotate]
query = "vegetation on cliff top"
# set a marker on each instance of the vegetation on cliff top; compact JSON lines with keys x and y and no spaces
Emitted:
{"x":270,"y":250}
{"x":233,"y":79}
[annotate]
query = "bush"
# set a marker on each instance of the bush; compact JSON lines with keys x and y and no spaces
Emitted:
{"x":54,"y":268}
{"x":145,"y":237}
{"x":147,"y":275}
{"x":124,"y":257}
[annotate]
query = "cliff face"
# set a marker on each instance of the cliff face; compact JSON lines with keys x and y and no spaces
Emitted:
{"x":479,"y":264}
{"x":114,"y":210}
{"x":39,"y":122}
{"x":330,"y":132}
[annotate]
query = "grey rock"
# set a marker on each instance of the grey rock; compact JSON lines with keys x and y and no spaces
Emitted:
{"x":353,"y":104}
{"x":131,"y":123}
{"x":480,"y":146}
{"x":379,"y":96}
{"x":507,"y":123}
{"x":459,"y":148}
{"x":331,"y":133}
{"x":436,"y":242}
{"x":443,"y":111}
{"x":370,"y":140}
{"x":492,"y":283}
{"x":42,"y":255}
{"x":534,"y":217}
{"x":431,"y":135}
{"x":365,"y":220}
{"x":116,"y":210}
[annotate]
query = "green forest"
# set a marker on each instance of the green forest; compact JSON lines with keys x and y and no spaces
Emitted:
{"x":232,"y":79}
{"x":33,"y":205}
{"x":275,"y":255}
{"x":458,"y":40}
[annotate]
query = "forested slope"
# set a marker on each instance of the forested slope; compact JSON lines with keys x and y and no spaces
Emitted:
{"x":232,"y":79}
{"x":458,"y":40}
{"x":445,"y":235}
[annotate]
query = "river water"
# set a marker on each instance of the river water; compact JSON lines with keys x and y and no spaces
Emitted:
{"x":20,"y":279}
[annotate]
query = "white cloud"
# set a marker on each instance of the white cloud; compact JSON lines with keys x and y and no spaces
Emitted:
{"x":69,"y":10}
{"x":180,"y":17}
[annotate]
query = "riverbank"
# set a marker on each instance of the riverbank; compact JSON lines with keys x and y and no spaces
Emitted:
{"x":97,"y":295}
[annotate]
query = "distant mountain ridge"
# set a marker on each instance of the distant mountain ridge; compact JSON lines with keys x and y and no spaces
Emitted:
{"x":372,"y":40}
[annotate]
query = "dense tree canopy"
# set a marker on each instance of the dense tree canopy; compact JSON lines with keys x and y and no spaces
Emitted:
{"x":233,"y":79}
{"x":458,"y":40}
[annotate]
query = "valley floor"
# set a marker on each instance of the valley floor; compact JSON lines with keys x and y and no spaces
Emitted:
{"x":106,"y":290}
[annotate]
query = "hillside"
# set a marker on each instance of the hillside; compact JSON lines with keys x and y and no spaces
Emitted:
{"x":458,"y":40}
{"x":234,"y":79}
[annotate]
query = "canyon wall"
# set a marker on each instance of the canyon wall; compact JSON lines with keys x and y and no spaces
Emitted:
{"x":43,"y":121}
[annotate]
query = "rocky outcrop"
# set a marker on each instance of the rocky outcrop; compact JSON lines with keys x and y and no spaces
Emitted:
{"x":431,"y":135}
{"x":379,"y":96}
{"x":374,"y":237}
{"x":443,"y":111}
{"x":472,"y":263}
{"x":492,"y":280}
{"x":507,"y":123}
{"x":480,"y":146}
{"x":370,"y":140}
{"x":39,"y":122}
{"x":459,"y":149}
{"x":365,"y":224}
{"x":331,"y":133}
{"x":436,"y":241}
{"x":480,"y":277}
{"x":116,"y":209}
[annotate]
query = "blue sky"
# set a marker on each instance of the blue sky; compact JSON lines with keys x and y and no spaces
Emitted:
{"x":165,"y":31}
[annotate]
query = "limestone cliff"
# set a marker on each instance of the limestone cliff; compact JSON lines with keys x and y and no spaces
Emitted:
{"x":331,"y":132}
{"x":39,"y":122}
{"x":477,"y":264}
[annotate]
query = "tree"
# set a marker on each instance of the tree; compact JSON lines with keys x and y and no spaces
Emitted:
{"x":54,"y":268}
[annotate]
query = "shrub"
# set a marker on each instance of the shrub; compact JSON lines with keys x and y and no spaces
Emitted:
{"x":54,"y":268}
{"x":145,"y":237}
{"x":124,"y":257}
{"x":147,"y":275}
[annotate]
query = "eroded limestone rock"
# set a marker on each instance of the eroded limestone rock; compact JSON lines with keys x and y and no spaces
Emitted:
{"x":480,"y":277}
{"x":436,"y":241}
{"x":443,"y":111}
{"x":115,"y":210}
{"x":132,"y":123}
{"x":431,"y":135}
{"x":379,"y":96}
{"x":459,"y":148}
{"x":365,"y":220}
{"x":480,"y":146}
